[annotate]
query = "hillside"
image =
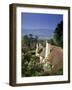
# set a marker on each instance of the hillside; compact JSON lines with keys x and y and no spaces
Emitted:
{"x":56,"y":59}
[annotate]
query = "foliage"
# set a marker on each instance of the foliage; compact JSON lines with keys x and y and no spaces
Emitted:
{"x":31,"y":65}
{"x":60,"y":71}
{"x":29,"y":41}
{"x":58,"y":34}
{"x":51,"y":41}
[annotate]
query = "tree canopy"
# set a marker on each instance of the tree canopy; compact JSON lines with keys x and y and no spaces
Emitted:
{"x":58,"y":35}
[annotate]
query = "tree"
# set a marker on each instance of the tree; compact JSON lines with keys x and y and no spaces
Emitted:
{"x":31,"y":40}
{"x":51,"y":41}
{"x":25,"y":40}
{"x":58,"y":34}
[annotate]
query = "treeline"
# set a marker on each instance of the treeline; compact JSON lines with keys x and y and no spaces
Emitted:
{"x":58,"y":35}
{"x":29,"y":41}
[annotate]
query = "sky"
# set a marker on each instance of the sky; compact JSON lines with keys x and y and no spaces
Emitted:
{"x":41,"y":25}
